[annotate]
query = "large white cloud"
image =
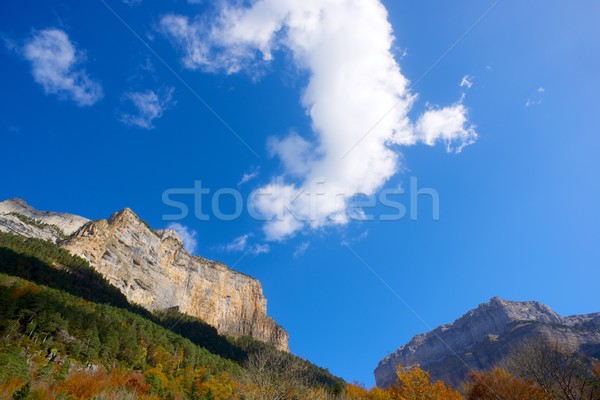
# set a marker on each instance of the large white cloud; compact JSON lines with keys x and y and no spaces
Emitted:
{"x":56,"y":65}
{"x":353,"y":81}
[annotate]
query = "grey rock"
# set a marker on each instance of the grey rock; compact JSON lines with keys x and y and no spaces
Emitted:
{"x":16,"y":216}
{"x":483,"y":336}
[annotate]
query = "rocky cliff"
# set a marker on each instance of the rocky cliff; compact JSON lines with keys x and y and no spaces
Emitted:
{"x":153,"y":269}
{"x":485,"y":335}
{"x":17,"y":217}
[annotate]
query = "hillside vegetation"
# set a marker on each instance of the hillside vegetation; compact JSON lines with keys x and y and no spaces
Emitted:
{"x":62,"y":325}
{"x":66,"y":333}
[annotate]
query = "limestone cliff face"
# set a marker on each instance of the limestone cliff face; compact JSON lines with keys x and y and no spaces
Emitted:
{"x":484,"y":336}
{"x":153,"y":269}
{"x":17,"y":217}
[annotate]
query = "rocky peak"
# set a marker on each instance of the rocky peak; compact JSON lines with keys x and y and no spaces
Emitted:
{"x":522,"y":310}
{"x":16,"y":204}
{"x":16,"y":216}
{"x":153,"y":269}
{"x":484,"y":335}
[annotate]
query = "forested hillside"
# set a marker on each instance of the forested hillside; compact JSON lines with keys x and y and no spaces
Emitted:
{"x":68,"y":332}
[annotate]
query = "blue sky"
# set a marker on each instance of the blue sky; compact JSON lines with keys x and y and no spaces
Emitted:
{"x":92,"y":121}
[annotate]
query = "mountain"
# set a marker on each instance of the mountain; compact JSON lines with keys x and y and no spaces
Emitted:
{"x":68,"y":333}
{"x":483,"y":336}
{"x":152,"y":269}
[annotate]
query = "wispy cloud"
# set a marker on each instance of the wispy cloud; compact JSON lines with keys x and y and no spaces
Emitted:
{"x":250,"y":175}
{"x":531,"y":102}
{"x":132,"y":3}
{"x":346,"y":48}
{"x":467,"y":81}
{"x":355,"y":239}
{"x":187,"y":235}
{"x":56,"y":64}
{"x":260,"y":249}
{"x":242,"y":244}
{"x":148,"y":106}
{"x":301,"y":249}
{"x":536,"y":99}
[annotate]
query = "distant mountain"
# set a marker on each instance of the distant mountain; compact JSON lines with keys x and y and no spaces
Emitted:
{"x":152,"y":269}
{"x":483,"y":336}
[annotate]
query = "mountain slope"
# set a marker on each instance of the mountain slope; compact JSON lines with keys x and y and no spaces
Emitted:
{"x":152,"y":268}
{"x":88,"y":323}
{"x":484,"y":336}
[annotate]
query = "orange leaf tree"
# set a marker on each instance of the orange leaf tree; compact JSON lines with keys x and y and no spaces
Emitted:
{"x":415,"y":384}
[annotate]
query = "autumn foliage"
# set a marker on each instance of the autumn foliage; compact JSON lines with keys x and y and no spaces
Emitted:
{"x":497,"y":383}
{"x":412,"y":384}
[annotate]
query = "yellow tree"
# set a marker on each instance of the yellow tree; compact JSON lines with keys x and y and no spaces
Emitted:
{"x":355,"y":392}
{"x":415,"y":384}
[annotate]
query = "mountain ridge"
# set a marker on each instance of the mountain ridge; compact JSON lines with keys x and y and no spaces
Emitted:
{"x":153,"y":269}
{"x":483,"y":336}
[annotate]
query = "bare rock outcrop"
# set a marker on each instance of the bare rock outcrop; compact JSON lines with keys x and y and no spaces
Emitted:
{"x":485,"y":335}
{"x":17,"y":217}
{"x":153,"y":269}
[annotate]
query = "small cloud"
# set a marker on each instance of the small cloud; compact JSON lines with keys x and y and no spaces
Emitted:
{"x":149,"y":105}
{"x":187,"y":235}
{"x":242,"y":244}
{"x":56,"y":65}
{"x":10,"y":44}
{"x":467,"y":81}
{"x":248,"y":176}
{"x":260,"y":249}
{"x":537,"y":98}
{"x":301,"y":249}
{"x":489,"y":67}
{"x":530,"y":102}
{"x":132,"y":3}
{"x":448,"y":125}
{"x":356,"y":239}
{"x":238,"y":244}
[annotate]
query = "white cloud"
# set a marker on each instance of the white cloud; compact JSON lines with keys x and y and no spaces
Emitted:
{"x":132,"y":3}
{"x":537,"y":98}
{"x":242,"y":244}
{"x":56,"y":65}
{"x":248,"y":176}
{"x":294,"y":152}
{"x":531,"y":102}
{"x":301,"y":249}
{"x":187,"y":235}
{"x":260,"y":249}
{"x":448,"y":125}
{"x":467,"y":81}
{"x":149,"y":105}
{"x":353,"y":240}
{"x":346,"y":48}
